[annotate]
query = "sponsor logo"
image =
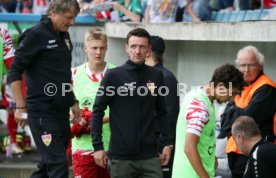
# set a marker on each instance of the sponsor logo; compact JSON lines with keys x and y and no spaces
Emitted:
{"x":51,"y":41}
{"x":52,"y":46}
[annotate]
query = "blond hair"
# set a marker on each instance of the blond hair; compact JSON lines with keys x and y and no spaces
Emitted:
{"x":95,"y":34}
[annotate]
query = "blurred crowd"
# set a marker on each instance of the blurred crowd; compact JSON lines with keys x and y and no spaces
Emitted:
{"x":24,"y":6}
{"x":149,"y":11}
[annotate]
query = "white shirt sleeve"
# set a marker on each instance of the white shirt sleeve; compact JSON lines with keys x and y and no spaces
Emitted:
{"x":197,"y":116}
{"x":7,"y":44}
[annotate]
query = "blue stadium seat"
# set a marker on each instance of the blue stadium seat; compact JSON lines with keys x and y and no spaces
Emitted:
{"x":264,"y":13}
{"x":226,"y":16}
{"x":237,"y":16}
{"x":252,"y":15}
{"x":214,"y":15}
{"x":219,"y":16}
{"x":234,"y":16}
{"x":241,"y":16}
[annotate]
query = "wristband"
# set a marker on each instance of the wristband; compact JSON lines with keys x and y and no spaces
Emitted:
{"x":24,"y":115}
{"x":21,"y":107}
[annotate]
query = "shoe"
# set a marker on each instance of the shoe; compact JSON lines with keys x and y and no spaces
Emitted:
{"x":16,"y":149}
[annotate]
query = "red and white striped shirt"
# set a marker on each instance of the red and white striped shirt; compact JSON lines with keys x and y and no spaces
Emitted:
{"x":197,"y":116}
{"x":7,"y":46}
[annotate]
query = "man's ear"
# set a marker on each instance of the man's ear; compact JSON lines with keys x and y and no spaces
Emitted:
{"x":85,"y":47}
{"x":240,"y":138}
{"x":149,"y":53}
{"x":126,"y":48}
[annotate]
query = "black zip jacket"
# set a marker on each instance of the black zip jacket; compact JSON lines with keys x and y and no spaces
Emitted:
{"x":261,"y":162}
{"x":44,"y":55}
{"x":131,"y":116}
{"x":172,"y":99}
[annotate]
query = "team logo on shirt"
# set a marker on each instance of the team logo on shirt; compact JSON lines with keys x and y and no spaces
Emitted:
{"x":131,"y":85}
{"x":67,"y":43}
{"x":47,"y":139}
{"x":211,"y":149}
{"x":86,"y":102}
{"x":151,"y":86}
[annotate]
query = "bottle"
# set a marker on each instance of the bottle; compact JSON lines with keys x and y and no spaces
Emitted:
{"x":9,"y":148}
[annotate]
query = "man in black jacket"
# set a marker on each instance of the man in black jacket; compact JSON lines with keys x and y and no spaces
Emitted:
{"x":261,"y":152}
{"x":172,"y":99}
{"x":44,"y":55}
{"x":133,"y":92}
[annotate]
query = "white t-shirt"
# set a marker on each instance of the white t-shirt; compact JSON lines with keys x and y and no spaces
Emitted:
{"x":162,"y":11}
{"x":182,"y":3}
{"x":220,"y":143}
{"x":40,"y":6}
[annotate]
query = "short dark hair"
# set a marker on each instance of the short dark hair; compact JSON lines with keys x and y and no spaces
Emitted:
{"x":157,"y":48}
{"x":140,"y":32}
{"x":157,"y":44}
{"x":246,"y":126}
{"x":226,"y":74}
{"x":158,"y":57}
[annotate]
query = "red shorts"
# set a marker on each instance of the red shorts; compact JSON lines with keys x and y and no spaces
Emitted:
{"x":84,"y":166}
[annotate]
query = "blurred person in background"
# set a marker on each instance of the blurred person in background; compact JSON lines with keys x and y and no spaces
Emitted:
{"x":196,"y":10}
{"x":161,"y":11}
{"x":8,"y":6}
{"x":9,"y":102}
{"x":6,"y":53}
{"x":121,"y":10}
{"x":40,"y":6}
{"x":6,"y":58}
{"x":129,"y":10}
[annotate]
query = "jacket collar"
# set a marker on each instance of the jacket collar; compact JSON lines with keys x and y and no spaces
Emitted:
{"x":159,"y":65}
{"x":47,"y":21}
{"x":262,"y":141}
{"x":129,"y":65}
